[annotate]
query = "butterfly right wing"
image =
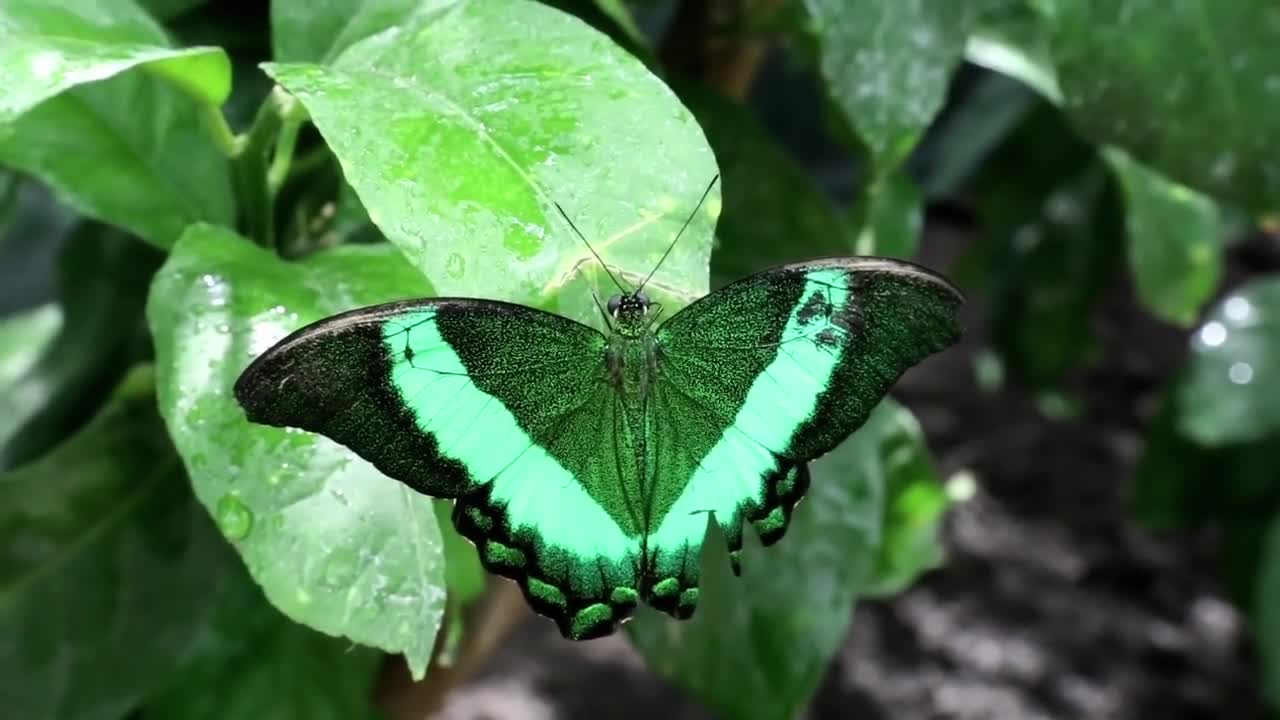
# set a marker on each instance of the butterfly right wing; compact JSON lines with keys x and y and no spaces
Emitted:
{"x":504,"y":407}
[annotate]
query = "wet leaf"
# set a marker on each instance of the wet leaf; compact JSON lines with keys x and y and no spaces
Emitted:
{"x":1233,"y":376}
{"x":461,"y":129}
{"x":155,"y":169}
{"x":758,"y":645}
{"x":46,"y":48}
{"x":1175,"y":241}
{"x":1183,"y":86}
{"x":108,"y":567}
{"x":888,"y":64}
{"x":335,"y":544}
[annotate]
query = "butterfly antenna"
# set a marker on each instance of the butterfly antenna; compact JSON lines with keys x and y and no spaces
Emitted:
{"x":593,"y":250}
{"x":688,"y":220}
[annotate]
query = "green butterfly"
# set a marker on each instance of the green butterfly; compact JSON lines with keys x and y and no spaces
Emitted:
{"x":585,"y":464}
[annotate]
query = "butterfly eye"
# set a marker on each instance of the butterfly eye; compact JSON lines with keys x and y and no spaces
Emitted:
{"x":614,"y":302}
{"x":642,"y":299}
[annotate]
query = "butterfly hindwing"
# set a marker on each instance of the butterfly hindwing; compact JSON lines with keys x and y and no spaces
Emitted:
{"x":765,"y":375}
{"x":505,"y":408}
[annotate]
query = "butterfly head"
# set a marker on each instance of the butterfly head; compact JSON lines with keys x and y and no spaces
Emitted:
{"x":630,"y":311}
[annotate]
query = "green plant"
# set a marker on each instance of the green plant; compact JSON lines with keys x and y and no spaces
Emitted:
{"x":225,"y":180}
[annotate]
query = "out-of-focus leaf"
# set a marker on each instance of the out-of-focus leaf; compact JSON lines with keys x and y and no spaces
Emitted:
{"x":46,"y":48}
{"x":1050,"y":244}
{"x":1175,"y":246}
{"x":304,"y":31}
{"x":759,"y":644}
{"x":463,"y":573}
{"x":1233,"y":379}
{"x":892,"y":217}
{"x":23,"y":337}
{"x":103,"y":276}
{"x":914,"y":503}
{"x":335,"y":544}
{"x":130,"y":151}
{"x":1268,"y":612}
{"x":108,"y":568}
{"x":618,"y":12}
{"x":169,"y":9}
{"x":1186,"y":87}
{"x":774,"y":212}
{"x":888,"y":64}
{"x":253,"y":662}
{"x":461,"y":129}
{"x":1013,"y":40}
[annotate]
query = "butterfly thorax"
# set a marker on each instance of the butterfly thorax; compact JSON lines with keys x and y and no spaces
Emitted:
{"x":632,"y":353}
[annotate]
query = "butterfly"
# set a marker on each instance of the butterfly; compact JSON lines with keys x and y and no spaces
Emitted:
{"x":584,"y":464}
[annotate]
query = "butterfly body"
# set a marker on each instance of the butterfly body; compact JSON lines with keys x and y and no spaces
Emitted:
{"x":586,"y":465}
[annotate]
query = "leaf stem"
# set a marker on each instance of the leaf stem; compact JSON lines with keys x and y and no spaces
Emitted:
{"x":275,"y":126}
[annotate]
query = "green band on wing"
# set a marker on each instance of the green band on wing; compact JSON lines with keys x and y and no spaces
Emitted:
{"x":781,"y":399}
{"x":478,"y":431}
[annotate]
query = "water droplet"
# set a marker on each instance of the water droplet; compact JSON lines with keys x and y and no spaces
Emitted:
{"x":1240,"y":373}
{"x":234,"y":518}
{"x":1213,"y":334}
{"x":304,"y":597}
{"x":223,"y":328}
{"x":340,"y":497}
{"x":1238,"y":309}
{"x":455,"y":266}
{"x":341,"y":568}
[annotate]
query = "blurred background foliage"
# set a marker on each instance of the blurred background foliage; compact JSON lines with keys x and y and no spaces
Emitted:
{"x":1094,"y":175}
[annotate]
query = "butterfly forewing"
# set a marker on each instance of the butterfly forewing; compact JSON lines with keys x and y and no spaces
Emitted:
{"x":765,"y":375}
{"x":505,"y":408}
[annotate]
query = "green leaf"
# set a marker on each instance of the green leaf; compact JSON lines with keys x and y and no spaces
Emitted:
{"x":256,"y":663}
{"x":914,"y":505}
{"x":1181,"y":85}
{"x":102,"y":281}
{"x":1233,"y":376}
{"x":463,"y":573}
{"x":758,"y":645}
{"x":46,"y":48}
{"x":303,"y":31}
{"x":461,"y":129}
{"x":108,"y":569}
{"x":1014,"y":41}
{"x":888,"y":64}
{"x":23,"y":336}
{"x":154,"y":170}
{"x":768,"y":197}
{"x":892,"y":216}
{"x":1175,"y":246}
{"x":618,"y":12}
{"x":1268,"y":612}
{"x":335,"y":544}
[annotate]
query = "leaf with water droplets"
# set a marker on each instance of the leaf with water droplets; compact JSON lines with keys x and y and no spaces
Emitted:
{"x":46,"y":48}
{"x":1233,"y":378}
{"x":1188,"y":87}
{"x":335,"y":544}
{"x":461,"y":129}
{"x":888,"y":65}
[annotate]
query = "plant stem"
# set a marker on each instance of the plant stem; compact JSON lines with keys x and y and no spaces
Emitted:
{"x":275,"y":126}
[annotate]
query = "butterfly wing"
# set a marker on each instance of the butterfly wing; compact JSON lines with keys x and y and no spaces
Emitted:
{"x":504,"y":407}
{"x":765,"y":375}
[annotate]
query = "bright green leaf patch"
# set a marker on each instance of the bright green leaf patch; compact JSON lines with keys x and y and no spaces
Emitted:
{"x":758,"y":645}
{"x":1233,"y":378}
{"x":459,"y":136}
{"x":23,"y":336}
{"x":109,"y":568}
{"x":46,"y":48}
{"x":335,"y":544}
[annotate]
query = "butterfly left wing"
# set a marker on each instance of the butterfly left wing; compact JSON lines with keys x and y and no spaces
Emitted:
{"x":765,"y":375}
{"x":504,"y":407}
